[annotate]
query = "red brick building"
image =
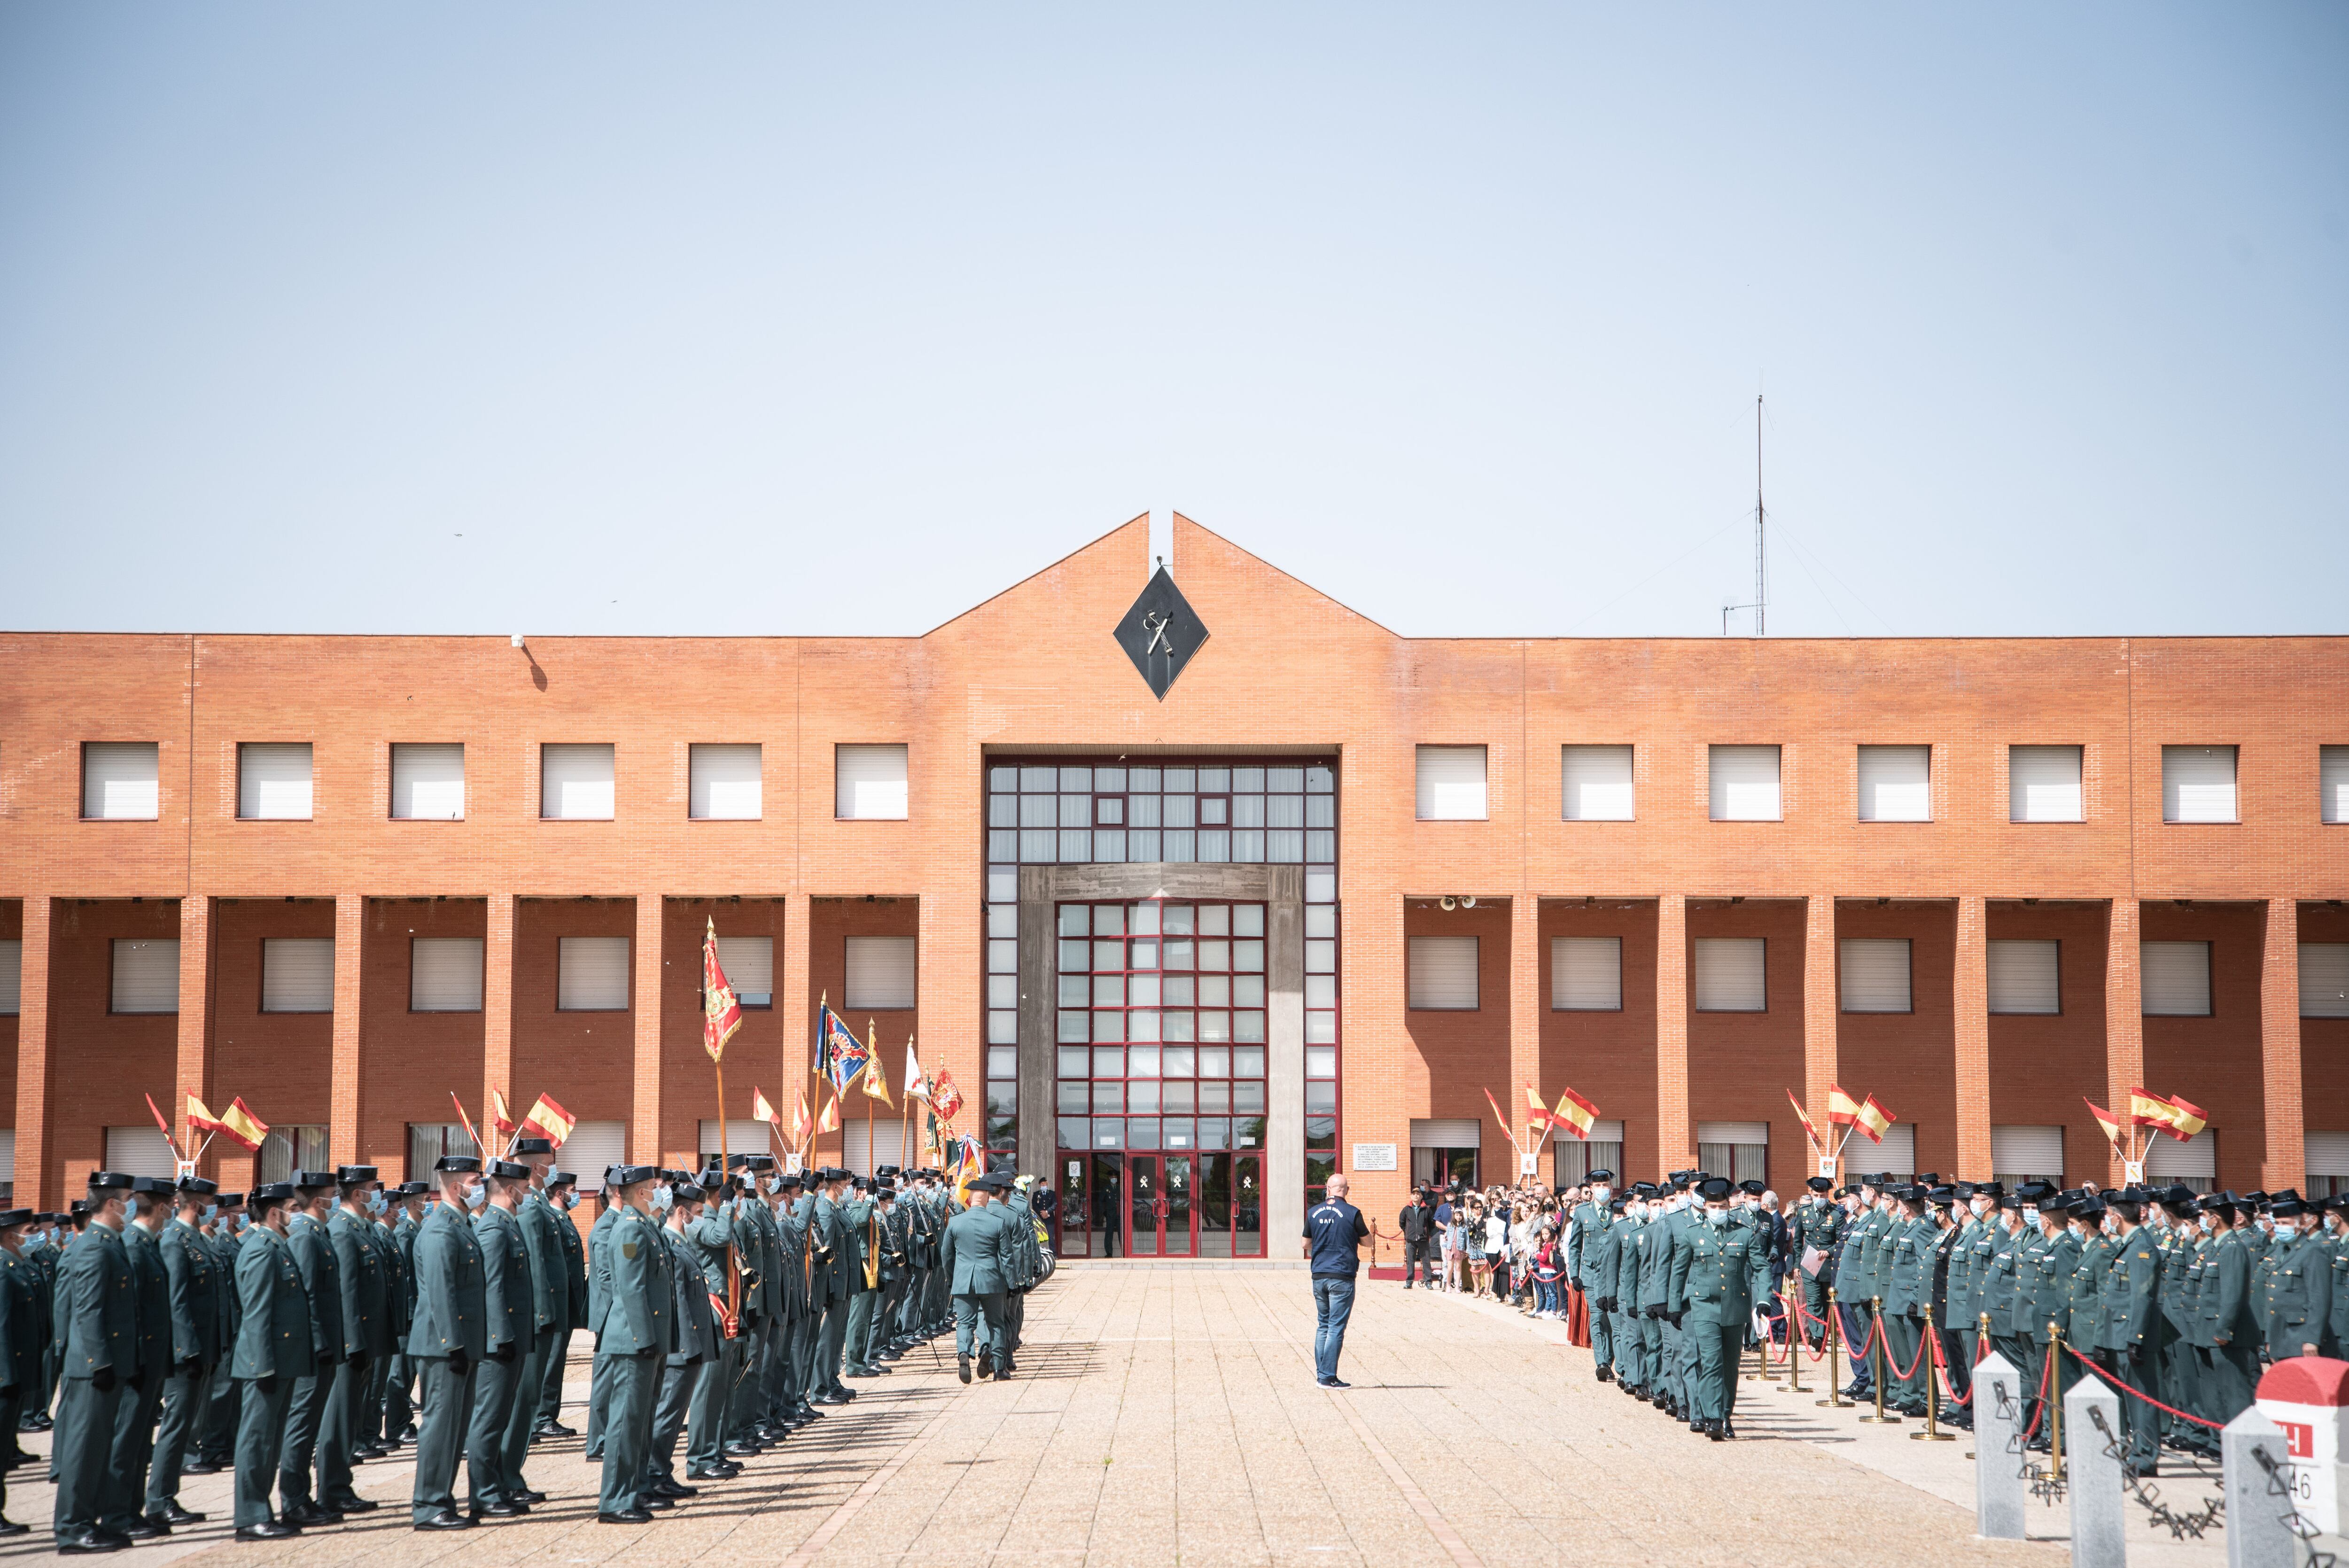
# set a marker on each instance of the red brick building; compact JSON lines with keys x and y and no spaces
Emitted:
{"x":1187,"y":951}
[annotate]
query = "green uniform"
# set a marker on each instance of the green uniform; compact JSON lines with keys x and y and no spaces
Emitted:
{"x":2230,"y":1327}
{"x":219,"y":1442}
{"x":445,"y":1343}
{"x":1821,"y":1229}
{"x":507,"y":1289}
{"x":365,"y":1318}
{"x":2042,"y":1297}
{"x":632,"y":1340}
{"x":313,"y":1255}
{"x":704,"y":1243}
{"x":1634,"y":1360}
{"x":574,"y":1313}
{"x":2337,"y":1322}
{"x":374,"y":1436}
{"x":24,"y":1345}
{"x":1719,"y":1273}
{"x":2297,"y":1303}
{"x":1907,"y":1288}
{"x":2130,"y":1341}
{"x":135,"y":1415}
{"x":688,"y":1364}
{"x":599,"y":1276}
{"x":860,"y":1214}
{"x":195,"y":1286}
{"x":836,"y":1261}
{"x":550,"y":1307}
{"x":1585,"y":1246}
{"x":978,"y":1264}
{"x":274,"y":1352}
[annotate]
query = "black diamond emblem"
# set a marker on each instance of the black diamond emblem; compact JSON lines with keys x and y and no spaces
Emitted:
{"x":1161,"y":633}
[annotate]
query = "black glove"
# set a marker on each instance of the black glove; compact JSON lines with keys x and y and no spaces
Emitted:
{"x":1606,"y":1304}
{"x":459,"y":1362}
{"x":103,"y":1379}
{"x":326,"y":1359}
{"x":190,"y":1367}
{"x":1674,"y":1318}
{"x":1656,"y":1311}
{"x":503,"y":1355}
{"x":358,"y":1360}
{"x":136,"y":1382}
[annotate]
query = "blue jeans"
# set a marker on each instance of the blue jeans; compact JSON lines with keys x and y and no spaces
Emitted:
{"x":1333,"y":1302}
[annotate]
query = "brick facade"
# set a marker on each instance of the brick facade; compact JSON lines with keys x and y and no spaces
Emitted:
{"x":1285,"y":670}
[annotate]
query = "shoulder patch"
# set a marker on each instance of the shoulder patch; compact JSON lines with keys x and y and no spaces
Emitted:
{"x":629,"y":1251}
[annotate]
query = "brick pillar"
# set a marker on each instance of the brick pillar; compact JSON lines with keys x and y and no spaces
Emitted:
{"x":2280,"y":1048}
{"x":192,"y":1069}
{"x":2124,"y":1011}
{"x":497,"y":1005}
{"x":1675,"y":1136}
{"x":1524,"y":1011}
{"x":35,"y":1187}
{"x":644,"y":1140}
{"x":343,"y":1085}
{"x":1822,"y":1007}
{"x":795,"y":1004}
{"x":1970,"y":989}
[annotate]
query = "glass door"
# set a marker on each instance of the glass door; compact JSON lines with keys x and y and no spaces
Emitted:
{"x":1104,"y":1198}
{"x":1180,"y":1241}
{"x":1215,"y":1205}
{"x":1068,"y":1226}
{"x":1248,"y":1206}
{"x":1148,"y":1208}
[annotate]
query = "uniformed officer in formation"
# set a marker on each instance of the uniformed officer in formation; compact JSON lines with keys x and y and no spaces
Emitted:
{"x":364,"y":1315}
{"x":199,"y":1294}
{"x":1720,"y":1275}
{"x":216,"y":1448}
{"x":24,"y":1337}
{"x":508,"y":1292}
{"x":313,"y":1248}
{"x":275,"y":1352}
{"x":447,"y":1339}
{"x":562,"y":1193}
{"x":633,"y":1339}
{"x":693,"y":1360}
{"x":977,"y":1256}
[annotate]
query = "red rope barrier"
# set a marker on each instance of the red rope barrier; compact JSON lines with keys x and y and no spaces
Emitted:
{"x":1942,"y":1370}
{"x":2214,"y":1426}
{"x":2046,"y":1378}
{"x":1903,"y":1373}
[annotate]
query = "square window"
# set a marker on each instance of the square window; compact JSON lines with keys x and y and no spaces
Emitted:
{"x":273,"y":781}
{"x":1109,"y":1026}
{"x":1141,"y":1061}
{"x":1181,"y":1096}
{"x":869,"y":783}
{"x":1109,"y":1098}
{"x":1002,"y":1062}
{"x":1073,"y":1062}
{"x":1178,"y":1061}
{"x":1320,"y":1062}
{"x":1110,"y":811}
{"x":724,"y":783}
{"x":119,"y":781}
{"x":575,"y":783}
{"x":1072,"y":1098}
{"x":427,"y":782}
{"x":1744,"y":785}
{"x":1108,"y":1062}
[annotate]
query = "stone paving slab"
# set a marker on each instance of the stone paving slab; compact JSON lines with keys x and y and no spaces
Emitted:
{"x":1168,"y":1414}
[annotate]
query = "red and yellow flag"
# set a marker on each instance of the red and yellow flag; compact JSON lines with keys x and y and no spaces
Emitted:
{"x":1809,"y":1130}
{"x":200,"y":1116}
{"x":721,"y":1012}
{"x":2186,"y":1119}
{"x":500,"y":1117}
{"x":1842,"y":1109}
{"x":1574,"y":1114}
{"x":553,"y":1121}
{"x":1537,"y":1114}
{"x":830,"y":1120}
{"x":462,"y":1117}
{"x":945,"y":1099}
{"x":165,"y":1123}
{"x":800,"y":1121}
{"x":1873,"y":1119}
{"x":241,"y":1125}
{"x":2148,"y":1109}
{"x":762,"y":1110}
{"x":876,"y":1082}
{"x":2106,"y":1119}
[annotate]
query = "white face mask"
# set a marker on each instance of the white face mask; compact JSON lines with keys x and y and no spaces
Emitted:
{"x":1717,"y":1216}
{"x":1980,"y":1206}
{"x":1600,"y":1195}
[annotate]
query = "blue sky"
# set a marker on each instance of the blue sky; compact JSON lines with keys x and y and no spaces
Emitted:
{"x":606,"y":318}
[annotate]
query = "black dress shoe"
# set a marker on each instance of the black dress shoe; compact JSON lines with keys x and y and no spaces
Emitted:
{"x":531,"y":1496}
{"x":558,"y":1429}
{"x":626,"y":1516}
{"x":407,"y":1434}
{"x":1003,"y":1374}
{"x":986,"y":1362}
{"x":447,"y":1519}
{"x":271,"y":1530}
{"x":10,"y":1527}
{"x":90,"y":1544}
{"x":741,"y":1450}
{"x":148,"y":1529}
{"x":962,"y":1367}
{"x":668,"y":1488}
{"x":829,"y":1400}
{"x":172,"y":1513}
{"x":710,"y":1472}
{"x":655,"y":1502}
{"x":353,"y":1505}
{"x":504,"y":1508}
{"x":310,"y":1514}
{"x":202,"y":1466}
{"x":1713,"y":1430}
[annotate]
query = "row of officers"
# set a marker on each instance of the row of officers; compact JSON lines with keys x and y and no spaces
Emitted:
{"x":2178,"y":1298}
{"x":295,"y":1332}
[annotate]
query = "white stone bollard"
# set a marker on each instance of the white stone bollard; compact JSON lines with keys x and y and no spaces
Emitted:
{"x":2000,"y":1490}
{"x":2093,"y":1471}
{"x":2257,"y":1507}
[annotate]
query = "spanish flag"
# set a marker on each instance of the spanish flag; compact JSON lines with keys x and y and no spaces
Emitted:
{"x":1804,"y":1116}
{"x":201,"y":1118}
{"x":721,"y":1011}
{"x":1842,"y":1109}
{"x":800,"y":1129}
{"x":1537,"y":1113}
{"x":830,"y":1120}
{"x":242,"y":1127}
{"x":2106,"y":1119}
{"x":2186,"y":1120}
{"x":1874,"y":1119}
{"x":2148,"y":1109}
{"x":500,"y":1117}
{"x":551,"y":1119}
{"x":1574,"y":1114}
{"x":762,"y":1110}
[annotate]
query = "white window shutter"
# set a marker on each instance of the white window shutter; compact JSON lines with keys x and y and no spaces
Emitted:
{"x":297,"y":975}
{"x":428,"y":781}
{"x":575,"y":782}
{"x":1731,"y":976}
{"x":1873,"y":976}
{"x":868,"y":783}
{"x":2026,"y":1151}
{"x":1743,"y":781}
{"x":8,"y":1155}
{"x":2323,"y":980}
{"x":2024,"y":975}
{"x":1896,"y":783}
{"x":750,"y":965}
{"x":1438,"y":1132}
{"x":744,"y":1135}
{"x":866,"y":1146}
{"x":273,"y":781}
{"x":1451,"y":783}
{"x":1586,"y":973}
{"x":140,"y":1152}
{"x":119,"y":781}
{"x":444,"y":974}
{"x":2326,"y":1154}
{"x":726,"y":784}
{"x":594,"y":1147}
{"x":2332,"y":783}
{"x":2197,"y":784}
{"x":145,"y":976}
{"x":881,"y":974}
{"x":2043,"y":784}
{"x":2174,"y":979}
{"x":12,"y":977}
{"x":1443,"y":973}
{"x":2196,"y":1160}
{"x":592,"y":973}
{"x":1733,"y":1132}
{"x":1897,"y":1154}
{"x":1596,"y":783}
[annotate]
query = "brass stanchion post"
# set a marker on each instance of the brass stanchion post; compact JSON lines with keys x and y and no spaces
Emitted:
{"x":1834,"y":1400}
{"x":1879,"y":1363}
{"x":2056,"y":1401}
{"x":1793,"y":1337}
{"x":1931,"y":1350}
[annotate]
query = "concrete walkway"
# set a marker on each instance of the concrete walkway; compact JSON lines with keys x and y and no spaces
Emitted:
{"x":1169,"y":1416}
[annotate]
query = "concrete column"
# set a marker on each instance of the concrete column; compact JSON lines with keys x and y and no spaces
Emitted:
{"x":2000,"y":1495}
{"x":193,"y":1068}
{"x":1675,"y":1134}
{"x":35,"y":1187}
{"x":2257,"y":1533}
{"x":2280,"y":1048}
{"x":2099,"y":1530}
{"x":1284,"y":1086}
{"x":791,"y":998}
{"x":497,"y":1004}
{"x":1822,"y":1008}
{"x":342,"y":1084}
{"x":1970,"y":998}
{"x":1040,"y":980}
{"x":2124,"y":1011}
{"x":644,"y":1128}
{"x":1525,"y":1007}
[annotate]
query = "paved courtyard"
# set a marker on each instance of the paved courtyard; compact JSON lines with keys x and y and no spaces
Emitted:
{"x":1167,"y":1415}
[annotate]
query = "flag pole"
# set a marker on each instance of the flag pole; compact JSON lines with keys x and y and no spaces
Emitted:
{"x":904,"y":1111}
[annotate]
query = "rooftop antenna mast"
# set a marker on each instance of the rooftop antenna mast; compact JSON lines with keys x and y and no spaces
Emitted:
{"x":1761,"y":557}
